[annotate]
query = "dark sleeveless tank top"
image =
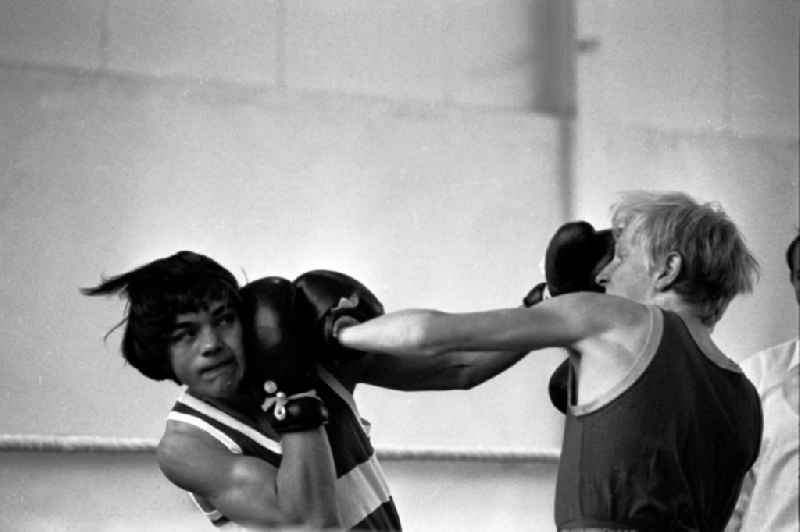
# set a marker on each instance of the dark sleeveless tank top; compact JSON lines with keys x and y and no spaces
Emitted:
{"x":665,"y":450}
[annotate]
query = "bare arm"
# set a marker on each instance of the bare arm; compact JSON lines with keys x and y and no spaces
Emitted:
{"x":567,"y":321}
{"x":249,"y":490}
{"x":452,"y":370}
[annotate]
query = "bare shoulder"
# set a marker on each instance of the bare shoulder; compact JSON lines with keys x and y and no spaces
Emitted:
{"x":179,"y":439}
{"x":192,"y":459}
{"x":618,"y":327}
{"x":621,"y":331}
{"x":605,"y":312}
{"x":180,"y":447}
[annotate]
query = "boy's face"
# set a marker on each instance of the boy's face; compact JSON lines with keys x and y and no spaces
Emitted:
{"x":206,"y":350}
{"x":629,"y":274}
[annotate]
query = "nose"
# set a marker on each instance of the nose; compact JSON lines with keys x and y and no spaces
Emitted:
{"x":209,"y":340}
{"x":604,"y":275}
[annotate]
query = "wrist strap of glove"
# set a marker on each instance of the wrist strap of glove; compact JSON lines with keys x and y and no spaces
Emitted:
{"x":346,"y":308}
{"x":295,"y":413}
{"x":538,"y":293}
{"x":300,"y":380}
{"x":345,"y":314}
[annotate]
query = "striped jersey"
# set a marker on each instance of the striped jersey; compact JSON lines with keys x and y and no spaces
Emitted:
{"x":363,"y":496}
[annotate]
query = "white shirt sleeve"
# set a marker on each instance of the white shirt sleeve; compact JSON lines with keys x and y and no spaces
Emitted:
{"x":769,"y":496}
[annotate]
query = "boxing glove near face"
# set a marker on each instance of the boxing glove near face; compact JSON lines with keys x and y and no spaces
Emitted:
{"x":575,"y":255}
{"x":275,"y":338}
{"x":331,"y":296}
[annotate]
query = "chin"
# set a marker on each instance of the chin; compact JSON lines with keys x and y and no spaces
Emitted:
{"x":230,"y":388}
{"x":220,"y":389}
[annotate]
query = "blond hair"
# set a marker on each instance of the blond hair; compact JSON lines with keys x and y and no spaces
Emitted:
{"x":716,"y":263}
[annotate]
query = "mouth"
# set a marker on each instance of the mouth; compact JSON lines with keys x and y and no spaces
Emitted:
{"x":218,"y":368}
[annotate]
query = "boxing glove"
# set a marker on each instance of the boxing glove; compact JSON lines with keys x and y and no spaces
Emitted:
{"x":558,"y":386}
{"x":575,"y":255}
{"x":279,"y":356}
{"x":329,"y":297}
{"x":272,"y":340}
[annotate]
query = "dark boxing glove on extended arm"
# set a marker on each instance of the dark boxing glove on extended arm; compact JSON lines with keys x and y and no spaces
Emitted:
{"x":279,"y":358}
{"x":332,"y":296}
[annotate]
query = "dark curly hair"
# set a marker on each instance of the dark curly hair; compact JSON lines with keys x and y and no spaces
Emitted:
{"x":157,"y":292}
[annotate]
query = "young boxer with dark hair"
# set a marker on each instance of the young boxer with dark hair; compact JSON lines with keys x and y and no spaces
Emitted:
{"x":185,"y":322}
{"x":662,"y":425}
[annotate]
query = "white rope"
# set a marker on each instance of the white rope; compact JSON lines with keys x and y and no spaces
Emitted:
{"x":50,"y":443}
{"x":468,"y":455}
{"x":77,"y":444}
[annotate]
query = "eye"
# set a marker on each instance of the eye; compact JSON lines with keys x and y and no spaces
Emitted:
{"x":181,"y":335}
{"x":227,"y":319}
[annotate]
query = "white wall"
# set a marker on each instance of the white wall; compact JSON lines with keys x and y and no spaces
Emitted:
{"x":105,"y":175}
{"x":700,"y":97}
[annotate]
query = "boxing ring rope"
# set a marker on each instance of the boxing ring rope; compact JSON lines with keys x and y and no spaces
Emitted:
{"x":82,"y":444}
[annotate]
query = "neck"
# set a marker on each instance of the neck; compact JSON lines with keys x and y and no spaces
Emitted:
{"x":245,"y":403}
{"x":670,"y":301}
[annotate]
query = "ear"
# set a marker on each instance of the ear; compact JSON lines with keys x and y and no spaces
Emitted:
{"x":670,"y":271}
